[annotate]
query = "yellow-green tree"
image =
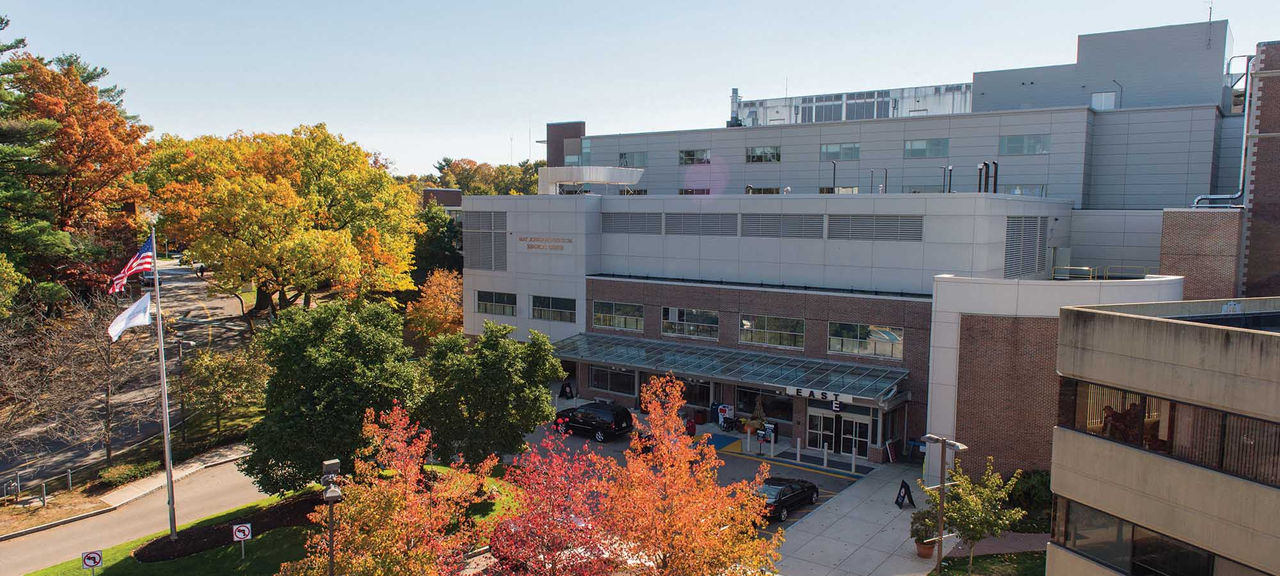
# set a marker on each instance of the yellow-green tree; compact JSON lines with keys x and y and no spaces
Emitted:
{"x":290,"y":214}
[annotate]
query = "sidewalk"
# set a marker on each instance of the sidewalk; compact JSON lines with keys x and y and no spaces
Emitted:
{"x":137,"y":489}
{"x":859,"y":532}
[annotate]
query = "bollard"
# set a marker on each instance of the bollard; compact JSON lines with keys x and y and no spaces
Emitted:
{"x":853,"y":463}
{"x":17,"y":477}
{"x":773,"y":441}
{"x":824,"y":454}
{"x":44,"y":494}
{"x":68,"y":479}
{"x":797,"y":450}
{"x":747,"y":450}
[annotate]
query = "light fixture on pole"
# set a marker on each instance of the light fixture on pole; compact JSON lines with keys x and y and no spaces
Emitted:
{"x":943,"y":445}
{"x":332,"y":495}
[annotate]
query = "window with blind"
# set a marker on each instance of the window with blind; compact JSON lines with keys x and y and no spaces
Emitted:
{"x":691,"y":323}
{"x":772,"y":331}
{"x":497,"y":303}
{"x":618,"y":315}
{"x":865,"y":339}
{"x":553,"y":309}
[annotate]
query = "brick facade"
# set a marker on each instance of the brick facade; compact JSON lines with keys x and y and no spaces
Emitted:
{"x":1262,"y":273}
{"x":816,"y":308}
{"x":1007,"y":390}
{"x":1204,"y":246}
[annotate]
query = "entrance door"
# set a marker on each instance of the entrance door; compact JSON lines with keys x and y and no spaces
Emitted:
{"x":822,"y":430}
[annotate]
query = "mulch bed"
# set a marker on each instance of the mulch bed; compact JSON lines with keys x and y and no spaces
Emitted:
{"x":289,"y":512}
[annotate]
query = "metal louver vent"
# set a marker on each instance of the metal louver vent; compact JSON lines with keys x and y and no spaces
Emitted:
{"x":691,"y":224}
{"x":885,"y":228}
{"x":1025,"y":245}
{"x":631,"y":222}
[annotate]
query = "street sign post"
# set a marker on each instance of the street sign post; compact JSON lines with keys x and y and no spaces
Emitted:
{"x":91,"y":561}
{"x":240,"y":533}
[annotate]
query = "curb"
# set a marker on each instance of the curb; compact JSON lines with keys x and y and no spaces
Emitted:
{"x":86,"y":515}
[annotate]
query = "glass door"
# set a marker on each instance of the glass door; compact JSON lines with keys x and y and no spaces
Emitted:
{"x":821,"y":430}
{"x":862,"y":437}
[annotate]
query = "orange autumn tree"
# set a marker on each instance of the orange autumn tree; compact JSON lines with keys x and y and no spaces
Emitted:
{"x":438,"y":309}
{"x":396,"y":518}
{"x":555,"y":530}
{"x":666,"y":507}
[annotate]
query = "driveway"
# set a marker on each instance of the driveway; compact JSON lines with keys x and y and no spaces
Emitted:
{"x":201,"y":494}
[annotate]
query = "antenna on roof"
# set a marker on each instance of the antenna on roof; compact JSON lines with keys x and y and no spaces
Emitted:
{"x":1208,"y":28}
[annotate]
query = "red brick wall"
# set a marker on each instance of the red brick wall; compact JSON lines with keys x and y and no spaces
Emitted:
{"x":1262,"y":268}
{"x":1007,"y":390}
{"x":1204,"y":246}
{"x":913,"y":316}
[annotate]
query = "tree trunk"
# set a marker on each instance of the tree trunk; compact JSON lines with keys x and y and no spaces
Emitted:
{"x":106,"y":426}
{"x":263,"y":299}
{"x":970,"y":559}
{"x":248,"y":319}
{"x":306,"y":301}
{"x":284,"y":300}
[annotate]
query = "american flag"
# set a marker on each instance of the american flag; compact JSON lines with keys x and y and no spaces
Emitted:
{"x":143,"y":261}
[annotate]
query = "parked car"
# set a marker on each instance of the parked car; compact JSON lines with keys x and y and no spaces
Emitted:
{"x":600,"y":420}
{"x":785,"y":494}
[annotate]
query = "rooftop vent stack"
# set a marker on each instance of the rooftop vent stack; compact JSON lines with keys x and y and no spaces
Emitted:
{"x":985,"y":184}
{"x":735,"y":102}
{"x":995,"y":177}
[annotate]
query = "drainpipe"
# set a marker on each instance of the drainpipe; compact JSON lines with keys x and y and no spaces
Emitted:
{"x":1244,"y":136}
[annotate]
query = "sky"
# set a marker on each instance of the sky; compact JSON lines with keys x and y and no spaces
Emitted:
{"x":420,"y":80}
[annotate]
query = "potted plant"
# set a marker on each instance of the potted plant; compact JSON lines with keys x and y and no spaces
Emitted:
{"x":924,"y":526}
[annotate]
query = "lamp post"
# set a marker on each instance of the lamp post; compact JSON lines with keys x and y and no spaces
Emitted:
{"x":943,"y":445}
{"x":332,"y":495}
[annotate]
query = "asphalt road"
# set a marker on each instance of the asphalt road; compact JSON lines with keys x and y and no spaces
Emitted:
{"x":201,"y":494}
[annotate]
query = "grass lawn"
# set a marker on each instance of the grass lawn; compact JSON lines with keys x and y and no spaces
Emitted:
{"x":499,"y":507}
{"x":263,"y":554}
{"x":1020,"y":564}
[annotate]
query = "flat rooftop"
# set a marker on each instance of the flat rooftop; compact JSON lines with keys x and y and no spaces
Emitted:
{"x":1260,"y":314}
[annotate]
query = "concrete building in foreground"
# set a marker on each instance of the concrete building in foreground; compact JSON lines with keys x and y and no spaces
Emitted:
{"x":860,"y":319}
{"x":1166,"y":455}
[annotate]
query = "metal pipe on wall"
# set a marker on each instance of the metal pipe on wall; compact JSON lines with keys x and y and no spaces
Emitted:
{"x":1244,"y":134}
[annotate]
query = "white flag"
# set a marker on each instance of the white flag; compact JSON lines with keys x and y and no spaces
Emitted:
{"x":137,"y":315}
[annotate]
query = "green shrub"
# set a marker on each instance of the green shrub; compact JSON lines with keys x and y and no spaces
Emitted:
{"x":122,"y":474}
{"x":1032,"y":494}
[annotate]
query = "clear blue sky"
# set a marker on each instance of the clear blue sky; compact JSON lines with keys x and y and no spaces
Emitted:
{"x":420,"y":80}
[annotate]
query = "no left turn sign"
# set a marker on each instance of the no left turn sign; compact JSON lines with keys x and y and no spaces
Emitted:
{"x":241,"y":532}
{"x":91,"y":560}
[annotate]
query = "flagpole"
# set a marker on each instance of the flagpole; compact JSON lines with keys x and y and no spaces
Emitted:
{"x":164,"y":390}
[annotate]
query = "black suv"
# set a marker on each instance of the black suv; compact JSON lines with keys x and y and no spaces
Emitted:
{"x":600,"y":420}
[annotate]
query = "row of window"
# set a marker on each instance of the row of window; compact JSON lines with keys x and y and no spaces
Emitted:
{"x":1134,"y":550}
{"x":1231,"y":443}
{"x":1015,"y":145}
{"x":1039,"y":190}
{"x":842,"y":337}
{"x":540,"y":307}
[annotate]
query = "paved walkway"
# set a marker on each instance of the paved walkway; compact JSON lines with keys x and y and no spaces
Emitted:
{"x":859,"y":532}
{"x":201,"y":494}
{"x":134,"y":490}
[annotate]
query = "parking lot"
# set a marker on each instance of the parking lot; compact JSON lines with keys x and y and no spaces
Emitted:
{"x":736,"y":467}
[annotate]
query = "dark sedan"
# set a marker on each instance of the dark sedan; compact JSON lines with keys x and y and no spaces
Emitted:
{"x":782,"y":495}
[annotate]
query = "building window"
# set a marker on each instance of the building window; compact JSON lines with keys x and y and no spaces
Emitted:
{"x":930,"y":148}
{"x":695,"y":191}
{"x":776,"y":406}
{"x":1131,"y":549}
{"x":846,"y":151}
{"x":633,"y":192}
{"x":755,"y":190}
{"x":1231,"y":443}
{"x":1024,"y":144}
{"x":618,"y":316}
{"x":865,"y":340}
{"x":554,"y":309}
{"x":572,"y":160}
{"x":690,"y":322}
{"x":633,"y":159}
{"x":1103,"y":101}
{"x":497,"y":303}
{"x":695,"y":157}
{"x":586,"y":152}
{"x":697,"y":393}
{"x":613,"y":380}
{"x":758,"y":154}
{"x":838,"y":190}
{"x":772,"y":331}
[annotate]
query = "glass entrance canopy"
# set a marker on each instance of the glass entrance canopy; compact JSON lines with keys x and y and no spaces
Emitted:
{"x":713,"y":363}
